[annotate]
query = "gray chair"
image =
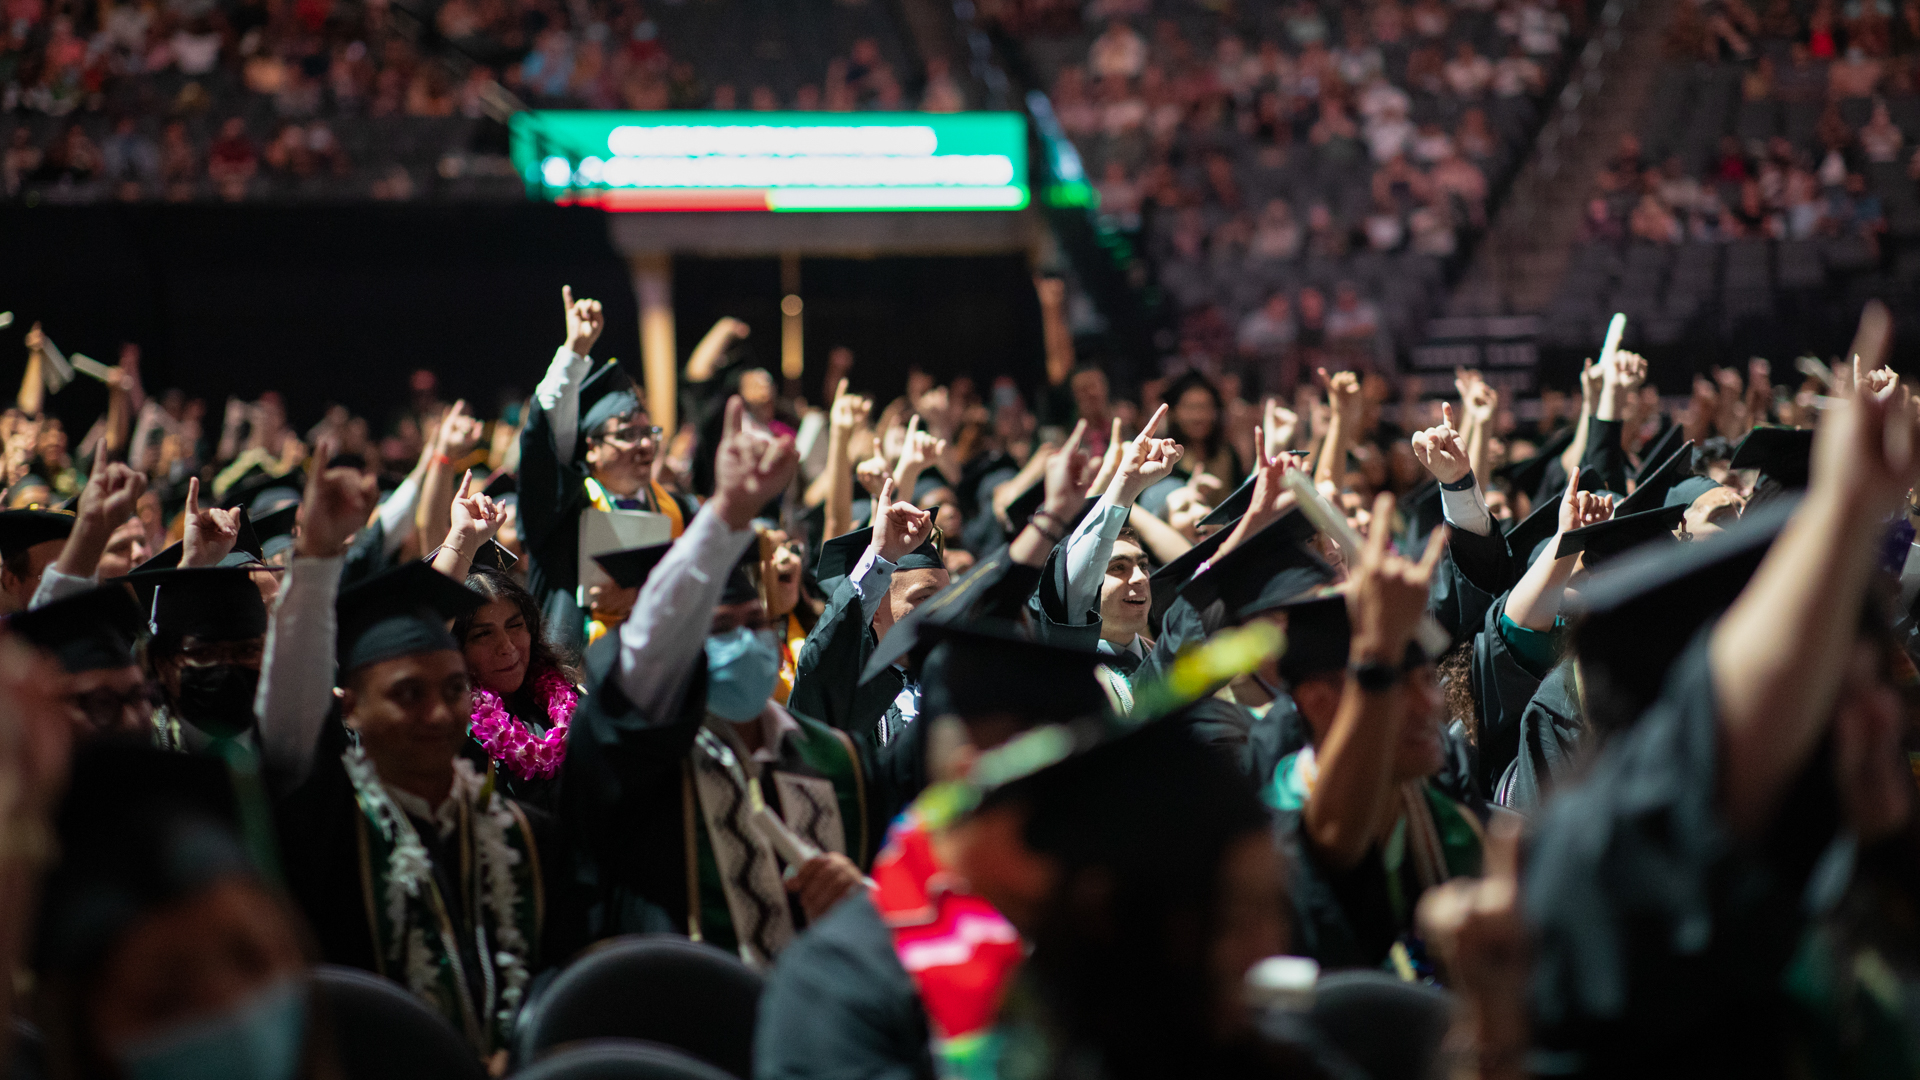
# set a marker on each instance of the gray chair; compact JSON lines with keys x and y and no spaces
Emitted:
{"x":382,"y":1032}
{"x":1391,"y":1029}
{"x":621,"y":1059}
{"x":659,"y":988}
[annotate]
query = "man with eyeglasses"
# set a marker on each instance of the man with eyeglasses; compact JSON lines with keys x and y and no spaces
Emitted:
{"x":589,"y":444}
{"x":91,"y":634}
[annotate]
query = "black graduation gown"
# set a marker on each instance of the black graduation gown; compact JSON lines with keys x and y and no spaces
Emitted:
{"x":1552,"y":730}
{"x":1660,"y":937}
{"x":839,"y":1006}
{"x":1605,"y":455}
{"x":320,"y":852}
{"x":826,"y":681}
{"x":552,"y":495}
{"x":1503,"y":686}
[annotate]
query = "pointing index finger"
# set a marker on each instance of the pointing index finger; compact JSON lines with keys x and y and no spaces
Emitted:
{"x":1152,"y":425}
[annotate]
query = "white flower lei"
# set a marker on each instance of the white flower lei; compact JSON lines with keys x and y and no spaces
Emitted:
{"x":409,"y":868}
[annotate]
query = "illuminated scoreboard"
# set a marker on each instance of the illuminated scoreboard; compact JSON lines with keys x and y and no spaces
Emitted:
{"x":659,"y":161}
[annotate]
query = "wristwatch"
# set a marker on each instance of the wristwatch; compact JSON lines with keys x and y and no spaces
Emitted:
{"x":1375,"y":677}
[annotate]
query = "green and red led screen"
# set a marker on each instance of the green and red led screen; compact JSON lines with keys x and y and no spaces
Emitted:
{"x":662,"y":161}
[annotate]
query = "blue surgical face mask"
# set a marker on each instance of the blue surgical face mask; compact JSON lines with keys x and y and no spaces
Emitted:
{"x":742,"y":667}
{"x":259,"y":1040}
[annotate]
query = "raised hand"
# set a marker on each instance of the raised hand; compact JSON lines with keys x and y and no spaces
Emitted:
{"x":458,"y":432}
{"x":847,"y":412}
{"x":1109,"y":462}
{"x":337,"y":503}
{"x":873,"y":474}
{"x":1592,"y":378}
{"x":898,"y":527}
{"x":1579,"y":509}
{"x":1145,"y":461}
{"x":1271,"y":497}
{"x":1879,"y":381}
{"x":1864,"y":452}
{"x":918,"y":452}
{"x":475,"y":518}
{"x":1441,"y":450}
{"x":112,"y":493}
{"x":211,"y":533}
{"x":1279,"y":422}
{"x":1388,"y":594}
{"x":1067,"y":475}
{"x":1482,"y":404}
{"x":1629,"y":370}
{"x":585,"y":321}
{"x":750,"y":468}
{"x":1343,"y":394}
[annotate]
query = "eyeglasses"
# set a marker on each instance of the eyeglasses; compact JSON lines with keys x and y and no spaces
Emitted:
{"x":631,"y":436}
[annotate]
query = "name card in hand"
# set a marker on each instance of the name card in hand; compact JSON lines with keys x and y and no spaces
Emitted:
{"x":602,"y":531}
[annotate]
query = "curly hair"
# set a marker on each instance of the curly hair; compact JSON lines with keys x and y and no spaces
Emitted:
{"x":546,"y":655}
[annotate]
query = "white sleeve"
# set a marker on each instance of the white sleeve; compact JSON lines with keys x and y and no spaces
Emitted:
{"x":667,"y":631}
{"x":558,"y":395}
{"x":55,"y":585}
{"x":811,"y":441}
{"x":1909,"y":579}
{"x":1088,"y":550}
{"x":296,"y":672}
{"x":396,"y":513}
{"x":1467,"y":510}
{"x":871,"y":577}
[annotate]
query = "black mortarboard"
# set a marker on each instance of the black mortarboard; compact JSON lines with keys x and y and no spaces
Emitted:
{"x":629,"y":568}
{"x":606,"y":393}
{"x":139,"y":829}
{"x":1684,"y":492}
{"x":1525,"y":538}
{"x":272,"y":500}
{"x":273,"y":531}
{"x":217,"y":603}
{"x":911,"y":637}
{"x":1233,"y":505}
{"x":400,"y":612}
{"x":493,"y":555}
{"x":1658,"y":450}
{"x":1527,"y":474}
{"x":1273,"y":567}
{"x":1654,"y":485}
{"x":247,"y":551}
{"x":838,"y":556}
{"x":1168,"y":581}
{"x":1778,"y":452}
{"x":742,"y":581}
{"x":1319,"y":635}
{"x":259,"y":482}
{"x":1603,"y":540}
{"x":22,"y":529}
{"x":974,"y":670}
{"x":87,"y":631}
{"x":1633,"y":617}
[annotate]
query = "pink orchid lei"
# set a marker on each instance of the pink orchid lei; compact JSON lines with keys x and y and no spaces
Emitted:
{"x":526,"y":755}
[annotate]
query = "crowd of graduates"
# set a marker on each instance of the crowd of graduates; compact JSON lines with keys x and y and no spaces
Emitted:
{"x":990,"y":736}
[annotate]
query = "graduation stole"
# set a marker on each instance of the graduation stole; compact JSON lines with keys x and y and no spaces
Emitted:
{"x":960,"y":952}
{"x":416,"y":941}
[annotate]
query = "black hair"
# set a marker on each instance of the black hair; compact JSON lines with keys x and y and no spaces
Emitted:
{"x":1199,"y":451}
{"x":545,"y":656}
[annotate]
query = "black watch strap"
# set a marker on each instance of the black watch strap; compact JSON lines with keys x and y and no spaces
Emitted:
{"x":1375,"y":677}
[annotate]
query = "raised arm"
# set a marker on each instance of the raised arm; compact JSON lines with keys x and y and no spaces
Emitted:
{"x":1144,"y":461}
{"x":1353,"y":799}
{"x":296,"y":671}
{"x":1057,"y":336}
{"x":1343,"y":394}
{"x":210,"y":533}
{"x":109,"y":500}
{"x":476,"y":519}
{"x":453,"y":439}
{"x":1779,"y":653}
{"x":558,"y":393}
{"x":667,"y":631}
{"x":1534,"y":602}
{"x":1444,"y":454}
{"x":846,"y":414}
{"x":1592,"y":376}
{"x":921,"y":451}
{"x":706,"y":355}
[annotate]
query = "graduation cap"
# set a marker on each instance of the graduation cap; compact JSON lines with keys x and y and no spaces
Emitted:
{"x":1168,"y":581}
{"x":1658,"y":450}
{"x":1271,"y":569}
{"x":743,"y":580}
{"x":911,"y":636}
{"x":216,"y":603}
{"x":1234,"y":504}
{"x":1524,"y":539}
{"x":1528,"y":474}
{"x":273,"y":499}
{"x":1684,"y":492}
{"x":1605,"y":539}
{"x":607,"y":393}
{"x":1319,"y":635}
{"x":629,"y":568}
{"x":493,"y":555}
{"x":139,"y":830}
{"x":273,"y":531}
{"x":267,"y":487}
{"x":1778,"y":452}
{"x":400,"y":612}
{"x":1634,"y":616}
{"x":23,"y":529}
{"x":838,"y":556}
{"x":248,"y":551}
{"x":1653,"y":486}
{"x":88,"y":631}
{"x":975,"y":670}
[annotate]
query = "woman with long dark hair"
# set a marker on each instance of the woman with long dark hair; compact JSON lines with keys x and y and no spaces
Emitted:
{"x":1197,"y":420}
{"x":524,"y":688}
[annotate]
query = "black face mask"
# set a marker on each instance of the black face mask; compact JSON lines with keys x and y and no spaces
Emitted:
{"x":218,"y":698}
